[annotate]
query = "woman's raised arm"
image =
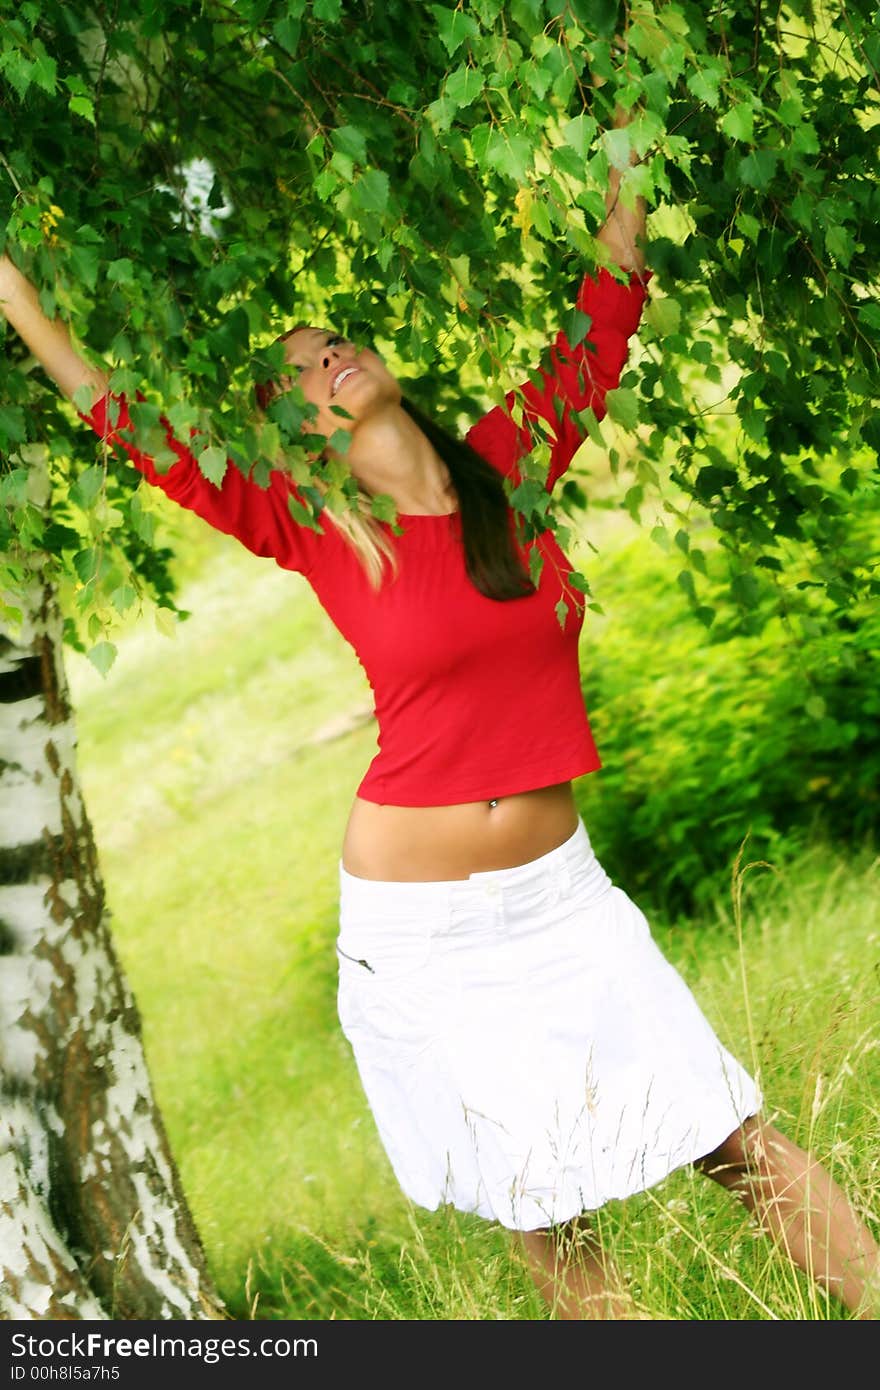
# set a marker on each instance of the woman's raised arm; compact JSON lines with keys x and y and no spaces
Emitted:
{"x":623,"y":230}
{"x":48,"y":339}
{"x":259,"y":517}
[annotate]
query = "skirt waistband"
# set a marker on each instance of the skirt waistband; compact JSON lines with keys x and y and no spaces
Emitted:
{"x":571,"y":866}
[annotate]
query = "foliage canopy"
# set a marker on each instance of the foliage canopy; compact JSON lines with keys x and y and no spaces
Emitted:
{"x":182,"y":181}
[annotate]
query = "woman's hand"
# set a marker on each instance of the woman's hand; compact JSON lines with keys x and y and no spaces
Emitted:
{"x":48,"y":339}
{"x":623,"y":230}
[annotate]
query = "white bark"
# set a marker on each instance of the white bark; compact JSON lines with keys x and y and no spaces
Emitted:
{"x":92,"y":1219}
{"x":40,"y":1276}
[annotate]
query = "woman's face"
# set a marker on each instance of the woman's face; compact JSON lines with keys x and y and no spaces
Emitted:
{"x":330,"y":371}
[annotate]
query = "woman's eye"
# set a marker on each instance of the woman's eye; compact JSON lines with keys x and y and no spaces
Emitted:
{"x":335,"y":340}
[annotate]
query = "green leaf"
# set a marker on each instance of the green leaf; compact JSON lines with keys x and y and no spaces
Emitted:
{"x":85,"y":262}
{"x":464,"y":85}
{"x":340,"y":441}
{"x":739,"y":122}
{"x":82,"y":106}
{"x":351,"y":141}
{"x":530,"y":498}
{"x":18,"y":71}
{"x":685,"y":581}
{"x":580,"y":133}
{"x":577,"y":325}
{"x":869,"y":314}
{"x":123,"y":598}
{"x":664,"y":315}
{"x":840,"y":243}
{"x":758,"y":168}
{"x":145,"y":416}
{"x":617,"y":144}
{"x":371,"y":191}
{"x":509,"y":154}
{"x":121,"y":272}
{"x":536,"y":565}
{"x":461,"y":267}
{"x":14,"y":487}
{"x":83,"y":397}
{"x":455,"y":27}
{"x":561,"y":611}
{"x":12,"y":426}
{"x":383,"y":507}
{"x":748,"y":225}
{"x":302,"y":515}
{"x":622,"y":405}
{"x":746,"y":590}
{"x":660,"y":536}
{"x":287,"y":32}
{"x":87,"y":486}
{"x":590,"y":423}
{"x":326,"y":183}
{"x":45,"y":73}
{"x":142,"y":521}
{"x":704,"y":85}
{"x":85,"y":564}
{"x":102,"y":656}
{"x":805,"y":140}
{"x":213,"y":463}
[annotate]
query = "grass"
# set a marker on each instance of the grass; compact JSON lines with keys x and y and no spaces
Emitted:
{"x":218,"y":782}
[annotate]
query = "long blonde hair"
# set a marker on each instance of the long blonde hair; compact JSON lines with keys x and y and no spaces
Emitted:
{"x":360,"y":528}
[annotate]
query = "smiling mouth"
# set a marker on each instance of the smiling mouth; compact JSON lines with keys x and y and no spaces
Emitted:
{"x":340,"y":377}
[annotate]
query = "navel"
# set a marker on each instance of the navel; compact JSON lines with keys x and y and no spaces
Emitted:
{"x":494,"y":801}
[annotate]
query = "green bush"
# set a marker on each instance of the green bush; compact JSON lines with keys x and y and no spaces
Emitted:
{"x":709,"y":739}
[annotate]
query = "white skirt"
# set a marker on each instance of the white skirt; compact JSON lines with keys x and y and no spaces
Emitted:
{"x":525,"y":1048}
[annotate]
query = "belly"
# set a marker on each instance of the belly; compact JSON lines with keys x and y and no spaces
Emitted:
{"x":418,"y":844}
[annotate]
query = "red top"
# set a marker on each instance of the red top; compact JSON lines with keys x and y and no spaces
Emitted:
{"x":475,"y":698}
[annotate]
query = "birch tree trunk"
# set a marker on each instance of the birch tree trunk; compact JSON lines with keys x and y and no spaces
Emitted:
{"x":93,"y":1221}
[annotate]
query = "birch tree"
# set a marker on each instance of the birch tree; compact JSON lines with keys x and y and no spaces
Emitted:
{"x":93,"y":1221}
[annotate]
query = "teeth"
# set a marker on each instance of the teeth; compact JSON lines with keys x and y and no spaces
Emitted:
{"x":342,"y":377}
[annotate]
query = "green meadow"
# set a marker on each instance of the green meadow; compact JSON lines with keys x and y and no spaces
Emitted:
{"x":218,"y":766}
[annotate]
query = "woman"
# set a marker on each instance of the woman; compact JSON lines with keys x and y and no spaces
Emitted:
{"x":527,"y":1052}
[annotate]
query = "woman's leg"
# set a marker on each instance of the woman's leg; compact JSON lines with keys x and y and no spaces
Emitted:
{"x":797,"y":1202}
{"x":572,"y":1274}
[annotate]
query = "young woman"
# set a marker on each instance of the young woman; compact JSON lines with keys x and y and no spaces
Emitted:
{"x":527,"y":1052}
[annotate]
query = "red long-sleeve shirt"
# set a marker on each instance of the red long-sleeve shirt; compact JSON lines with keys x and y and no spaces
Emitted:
{"x":475,"y":698}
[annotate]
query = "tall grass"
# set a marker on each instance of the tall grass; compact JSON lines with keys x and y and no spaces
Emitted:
{"x":218,"y":777}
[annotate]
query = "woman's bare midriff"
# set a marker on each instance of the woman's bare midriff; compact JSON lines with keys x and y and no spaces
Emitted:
{"x":427,"y":844}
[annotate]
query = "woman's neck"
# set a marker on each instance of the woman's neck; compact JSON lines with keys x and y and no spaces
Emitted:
{"x":389,"y":454}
